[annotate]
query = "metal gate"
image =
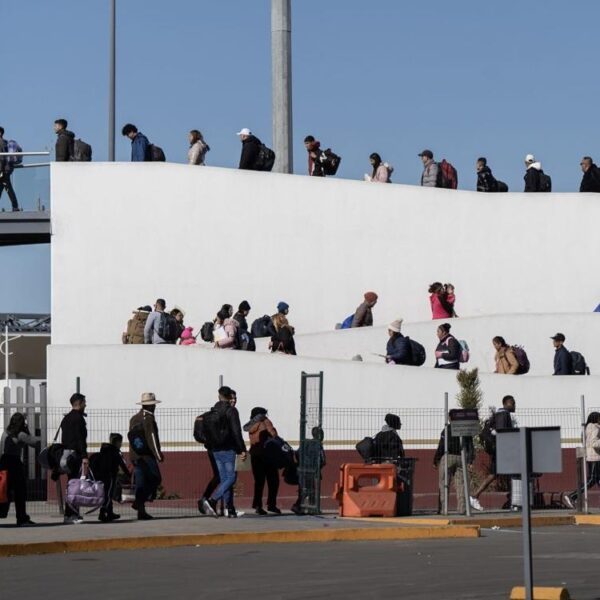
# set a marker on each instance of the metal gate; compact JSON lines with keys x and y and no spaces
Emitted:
{"x":310,"y":453}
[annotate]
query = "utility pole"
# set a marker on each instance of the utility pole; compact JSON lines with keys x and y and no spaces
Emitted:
{"x":111,"y":82}
{"x":281,"y":57}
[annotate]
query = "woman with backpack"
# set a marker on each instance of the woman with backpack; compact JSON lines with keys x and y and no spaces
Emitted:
{"x":448,"y":351}
{"x":506,"y":360}
{"x":592,"y":458}
{"x":381,"y":171}
{"x":398,"y":349}
{"x":12,"y":443}
{"x":441,"y":306}
{"x":198,"y":148}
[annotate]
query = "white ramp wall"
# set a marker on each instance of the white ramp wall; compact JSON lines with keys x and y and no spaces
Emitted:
{"x":125,"y":234}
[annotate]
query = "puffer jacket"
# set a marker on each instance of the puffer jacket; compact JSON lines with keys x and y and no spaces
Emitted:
{"x":382,"y":174}
{"x":230,"y":326}
{"x":259,"y":429}
{"x":506,"y":361}
{"x":398,"y":350}
{"x":430,"y":174}
{"x":592,"y":442}
{"x":197,"y":153}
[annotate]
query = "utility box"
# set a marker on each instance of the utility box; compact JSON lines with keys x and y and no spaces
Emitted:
{"x":544,"y":450}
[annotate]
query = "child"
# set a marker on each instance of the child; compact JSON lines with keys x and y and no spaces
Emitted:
{"x":187,"y":337}
{"x":450,"y":297}
{"x":310,"y":455}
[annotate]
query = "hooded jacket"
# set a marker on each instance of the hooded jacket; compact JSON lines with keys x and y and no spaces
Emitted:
{"x":382,"y":174}
{"x":259,"y":430}
{"x":64,"y":145}
{"x":486,"y":182}
{"x":250,"y":149}
{"x":532,"y":177}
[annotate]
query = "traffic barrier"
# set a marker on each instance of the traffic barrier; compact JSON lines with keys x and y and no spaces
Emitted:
{"x":366,"y":490}
{"x":541,"y":593}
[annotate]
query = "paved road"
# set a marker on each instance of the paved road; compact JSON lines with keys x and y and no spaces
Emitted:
{"x":427,"y":570}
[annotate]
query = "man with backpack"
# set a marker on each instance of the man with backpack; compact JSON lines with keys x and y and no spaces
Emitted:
{"x":501,"y":419}
{"x":223,"y":435}
{"x":429,"y":177}
{"x":535,"y":178}
{"x":590,"y":182}
{"x":251,"y":146}
{"x":145,"y":453}
{"x":160,"y":327}
{"x":313,"y":148}
{"x":563,"y":362}
{"x":7,"y":165}
{"x":65,"y":141}
{"x":140,"y":146}
{"x":486,"y":182}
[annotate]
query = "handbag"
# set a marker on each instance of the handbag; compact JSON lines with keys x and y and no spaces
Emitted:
{"x":3,"y":487}
{"x":85,"y":492}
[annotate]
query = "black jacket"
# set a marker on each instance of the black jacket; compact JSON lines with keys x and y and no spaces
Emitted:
{"x":563,"y":363}
{"x":399,"y":350}
{"x":106,"y":463}
{"x":250,"y":149}
{"x":230,"y":417}
{"x":241,"y":319}
{"x":450,"y":347}
{"x":532,"y":180}
{"x":74,"y":432}
{"x":64,"y":145}
{"x":486,"y":182}
{"x":454,"y":448}
{"x":590,"y":181}
{"x":387,"y":445}
{"x":502,"y":419}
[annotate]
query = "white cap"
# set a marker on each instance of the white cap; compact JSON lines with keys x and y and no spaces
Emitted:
{"x":244,"y":131}
{"x":530,"y":158}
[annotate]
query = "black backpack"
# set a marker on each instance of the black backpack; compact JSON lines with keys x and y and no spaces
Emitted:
{"x":206,"y":331}
{"x":418,"y":354}
{"x":265,"y":159}
{"x":545,"y":182}
{"x":366,"y":448}
{"x":486,"y":438}
{"x":501,"y":186}
{"x":156,"y":153}
{"x":330,"y":162}
{"x":262,"y":327}
{"x":199,"y":429}
{"x":215,"y":428}
{"x":82,"y":152}
{"x":579,"y":365}
{"x":167,"y":328}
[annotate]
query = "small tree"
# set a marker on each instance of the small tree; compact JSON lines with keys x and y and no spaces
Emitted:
{"x":470,"y":394}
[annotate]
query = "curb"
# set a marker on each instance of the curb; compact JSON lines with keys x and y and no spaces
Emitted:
{"x":266,"y":537}
{"x":489,"y":522}
{"x":587,"y":519}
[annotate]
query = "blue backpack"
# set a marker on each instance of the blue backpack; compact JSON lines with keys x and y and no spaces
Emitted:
{"x":12,"y":146}
{"x":347,"y":322}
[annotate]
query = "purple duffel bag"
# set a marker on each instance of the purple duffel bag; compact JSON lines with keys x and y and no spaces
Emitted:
{"x":85,"y":492}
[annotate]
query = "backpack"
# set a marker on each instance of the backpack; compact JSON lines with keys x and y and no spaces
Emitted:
{"x":545,"y":182}
{"x":265,"y":159}
{"x":215,"y":428}
{"x":522,"y":359}
{"x":418,"y":354}
{"x":366,"y":448}
{"x":447,"y":176}
{"x":486,"y":438}
{"x":347,"y":322}
{"x":464,"y":351}
{"x":330,"y":162}
{"x":82,"y":152}
{"x":137,"y":441}
{"x":167,"y":328}
{"x":199,"y":429}
{"x":206,"y":331}
{"x":156,"y":153}
{"x":262,"y":327}
{"x":501,"y":187}
{"x":579,"y":365}
{"x":12,"y":161}
{"x":277,"y":452}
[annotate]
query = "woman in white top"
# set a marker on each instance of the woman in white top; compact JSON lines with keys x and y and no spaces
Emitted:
{"x":198,"y":148}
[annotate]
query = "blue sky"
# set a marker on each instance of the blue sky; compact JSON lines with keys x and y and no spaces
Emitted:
{"x":465,"y":79}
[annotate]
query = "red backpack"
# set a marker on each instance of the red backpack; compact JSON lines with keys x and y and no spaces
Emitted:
{"x":447,"y":176}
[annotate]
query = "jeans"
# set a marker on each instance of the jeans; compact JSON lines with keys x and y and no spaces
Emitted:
{"x":147,"y":479}
{"x":5,"y":182}
{"x":225,"y":460}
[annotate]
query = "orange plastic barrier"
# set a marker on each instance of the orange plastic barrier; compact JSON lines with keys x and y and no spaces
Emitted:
{"x":366,"y":490}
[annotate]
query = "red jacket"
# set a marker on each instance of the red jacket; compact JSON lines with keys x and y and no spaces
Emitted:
{"x":437,"y":308}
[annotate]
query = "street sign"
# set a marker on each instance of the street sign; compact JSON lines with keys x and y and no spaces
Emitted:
{"x":464,"y":422}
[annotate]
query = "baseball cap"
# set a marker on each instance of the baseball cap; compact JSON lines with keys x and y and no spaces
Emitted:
{"x":427,"y":153}
{"x":530,"y":158}
{"x":558,"y":337}
{"x":244,"y":131}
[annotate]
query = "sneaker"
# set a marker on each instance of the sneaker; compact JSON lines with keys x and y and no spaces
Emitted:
{"x":73,"y":520}
{"x":567,"y":501}
{"x":261,"y":511}
{"x":201,"y":509}
{"x":210,"y":507}
{"x":232,"y":513}
{"x":475,"y":503}
{"x":274,"y":510}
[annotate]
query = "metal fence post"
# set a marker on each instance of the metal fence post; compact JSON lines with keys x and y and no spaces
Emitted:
{"x":30,"y":415}
{"x":584,"y":457}
{"x":78,"y":384}
{"x":446,"y":488}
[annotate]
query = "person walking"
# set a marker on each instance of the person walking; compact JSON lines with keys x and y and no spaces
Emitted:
{"x":178,"y":315}
{"x":563,"y":362}
{"x":224,"y":436}
{"x":260,"y":429}
{"x":14,"y":440}
{"x":506,"y":360}
{"x":152,"y":325}
{"x":387,"y":443}
{"x":74,"y":437}
{"x":442,"y":306}
{"x":486,"y":182}
{"x":198,"y":148}
{"x":452,"y":461}
{"x":590,"y":182}
{"x":592,"y":458}
{"x":135,"y":326}
{"x":313,"y":148}
{"x":535,"y":178}
{"x":145,"y":453}
{"x":244,"y":335}
{"x":140,"y":146}
{"x":250,"y":150}
{"x":398,"y":350}
{"x":501,"y":419}
{"x":65,"y":141}
{"x":381,"y":172}
{"x":363,"y":316}
{"x":6,"y":170}
{"x":447,"y":353}
{"x":283,"y":338}
{"x":225,"y":330}
{"x":429,"y":177}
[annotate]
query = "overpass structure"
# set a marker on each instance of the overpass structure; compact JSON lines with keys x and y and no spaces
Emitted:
{"x":21,"y":228}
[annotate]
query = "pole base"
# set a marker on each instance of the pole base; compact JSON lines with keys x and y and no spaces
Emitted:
{"x":541,"y":593}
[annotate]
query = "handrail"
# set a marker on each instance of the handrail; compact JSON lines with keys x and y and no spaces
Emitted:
{"x":44,"y":153}
{"x":32,"y":165}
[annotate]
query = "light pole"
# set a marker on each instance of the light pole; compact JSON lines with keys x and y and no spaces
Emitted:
{"x":281,"y":64}
{"x":111,"y":83}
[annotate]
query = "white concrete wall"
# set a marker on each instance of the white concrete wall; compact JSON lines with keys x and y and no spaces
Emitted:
{"x":125,"y":234}
{"x":187,"y":376}
{"x":530,"y":331}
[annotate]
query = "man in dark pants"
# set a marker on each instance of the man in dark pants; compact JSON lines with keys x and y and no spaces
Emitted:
{"x":145,"y":454}
{"x":6,"y":169}
{"x":563,"y":363}
{"x":74,"y":437}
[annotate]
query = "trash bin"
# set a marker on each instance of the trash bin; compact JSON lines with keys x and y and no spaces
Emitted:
{"x":405,"y":472}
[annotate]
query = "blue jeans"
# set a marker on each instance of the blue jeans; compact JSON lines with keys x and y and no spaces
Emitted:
{"x":147,"y":479}
{"x":225,"y":460}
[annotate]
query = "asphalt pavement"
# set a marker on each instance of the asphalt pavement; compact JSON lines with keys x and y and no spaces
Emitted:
{"x":450,"y":569}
